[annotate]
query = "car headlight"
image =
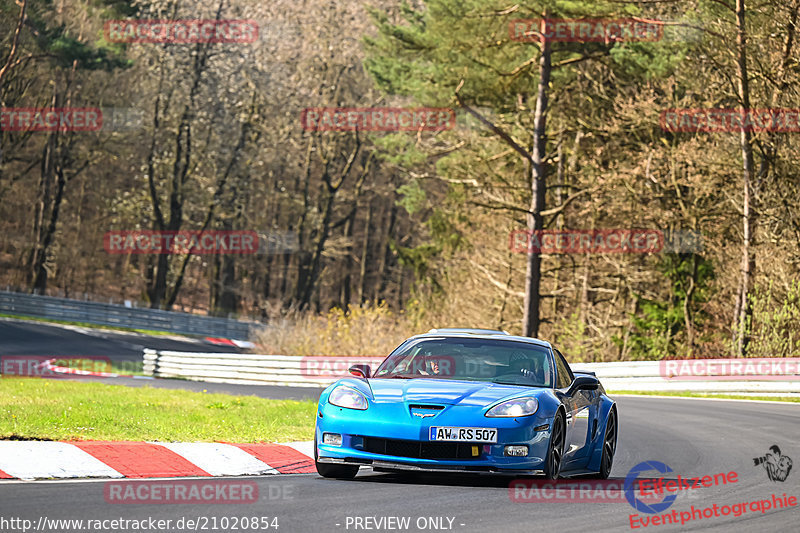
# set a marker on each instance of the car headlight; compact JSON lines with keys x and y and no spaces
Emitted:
{"x":349,"y":398}
{"x":514,"y":408}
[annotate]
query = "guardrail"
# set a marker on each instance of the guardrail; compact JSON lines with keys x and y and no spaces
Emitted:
{"x":294,"y":371}
{"x":253,"y":369}
{"x":699,"y":375}
{"x":119,"y":315}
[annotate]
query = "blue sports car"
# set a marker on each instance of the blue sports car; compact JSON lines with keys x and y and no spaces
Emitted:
{"x":467,"y":400}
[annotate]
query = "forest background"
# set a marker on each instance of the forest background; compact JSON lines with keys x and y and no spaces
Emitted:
{"x":379,"y":235}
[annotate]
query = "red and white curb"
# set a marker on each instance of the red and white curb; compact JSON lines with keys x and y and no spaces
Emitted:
{"x":219,"y":341}
{"x":99,"y":459}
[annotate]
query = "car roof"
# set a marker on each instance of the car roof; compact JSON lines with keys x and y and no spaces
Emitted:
{"x":473,"y":331}
{"x":481,"y":334}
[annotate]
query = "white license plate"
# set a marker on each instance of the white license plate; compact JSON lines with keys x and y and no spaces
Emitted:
{"x":463,"y":434}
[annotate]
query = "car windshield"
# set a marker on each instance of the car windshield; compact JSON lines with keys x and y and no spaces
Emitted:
{"x":493,"y":360}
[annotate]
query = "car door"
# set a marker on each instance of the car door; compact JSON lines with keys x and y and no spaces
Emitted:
{"x":579,"y":413}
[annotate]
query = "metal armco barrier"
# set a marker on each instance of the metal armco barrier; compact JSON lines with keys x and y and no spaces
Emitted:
{"x":15,"y":303}
{"x":701,"y":375}
{"x":251,"y":369}
{"x":781,"y":375}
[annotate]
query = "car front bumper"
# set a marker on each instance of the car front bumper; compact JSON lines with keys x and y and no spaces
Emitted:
{"x":384,"y":423}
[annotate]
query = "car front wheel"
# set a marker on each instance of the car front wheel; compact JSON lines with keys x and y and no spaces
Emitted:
{"x":555,"y":452}
{"x":609,"y":446}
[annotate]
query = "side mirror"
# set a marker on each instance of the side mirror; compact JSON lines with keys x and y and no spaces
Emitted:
{"x":361,"y":371}
{"x":584,"y":382}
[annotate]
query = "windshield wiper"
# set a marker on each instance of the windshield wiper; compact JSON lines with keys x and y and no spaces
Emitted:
{"x":517,"y":383}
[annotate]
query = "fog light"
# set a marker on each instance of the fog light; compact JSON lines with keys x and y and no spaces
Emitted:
{"x":334,"y":439}
{"x":516,"y":451}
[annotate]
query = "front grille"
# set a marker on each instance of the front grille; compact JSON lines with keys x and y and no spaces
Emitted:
{"x":423,"y":406}
{"x":420,"y":449}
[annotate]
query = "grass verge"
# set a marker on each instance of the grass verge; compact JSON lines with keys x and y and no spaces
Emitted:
{"x":789,"y":399}
{"x":49,"y":409}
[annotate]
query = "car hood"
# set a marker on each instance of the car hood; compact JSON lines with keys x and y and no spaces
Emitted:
{"x":444,"y":391}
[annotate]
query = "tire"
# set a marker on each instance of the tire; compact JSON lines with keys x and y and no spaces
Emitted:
{"x":609,"y":445}
{"x":333,"y":470}
{"x":555,"y":451}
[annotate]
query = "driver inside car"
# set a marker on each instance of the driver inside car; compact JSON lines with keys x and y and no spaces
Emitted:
{"x":429,"y":365}
{"x":529,"y":368}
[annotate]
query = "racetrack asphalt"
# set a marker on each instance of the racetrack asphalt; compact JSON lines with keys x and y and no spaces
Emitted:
{"x":694,"y":437}
{"x":27,"y":337}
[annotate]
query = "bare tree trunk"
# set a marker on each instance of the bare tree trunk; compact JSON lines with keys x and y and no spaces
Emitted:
{"x":43,"y":205}
{"x":303,"y":255}
{"x":583,"y":303}
{"x":55,"y":159}
{"x":183,"y":153}
{"x":315,"y":259}
{"x":744,"y":307}
{"x":349,"y":223}
{"x":345,"y":289}
{"x":241,"y":181}
{"x":10,"y":63}
{"x":362,"y":285}
{"x":330,"y":190}
{"x":559,"y":222}
{"x":226,"y":294}
{"x":687,"y":306}
{"x":271,"y":259}
{"x":40,"y":273}
{"x":10,"y":60}
{"x":533,"y":273}
{"x":386,"y":257}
